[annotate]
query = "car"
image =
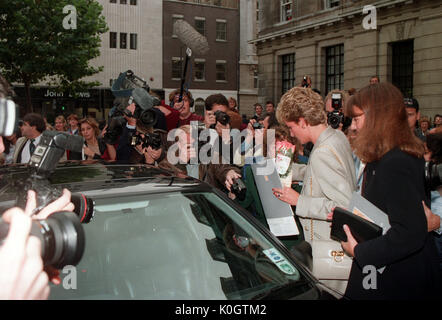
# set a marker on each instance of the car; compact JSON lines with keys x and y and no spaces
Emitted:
{"x":155,"y":235}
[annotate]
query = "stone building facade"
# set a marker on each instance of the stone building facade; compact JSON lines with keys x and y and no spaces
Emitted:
{"x":331,"y":41}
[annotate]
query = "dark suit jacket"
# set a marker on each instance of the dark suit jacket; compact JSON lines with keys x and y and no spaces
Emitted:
{"x":395,"y":184}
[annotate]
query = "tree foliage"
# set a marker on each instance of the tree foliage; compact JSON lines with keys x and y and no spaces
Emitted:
{"x":35,"y":46}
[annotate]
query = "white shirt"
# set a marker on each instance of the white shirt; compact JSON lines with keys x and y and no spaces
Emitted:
{"x":25,"y":154}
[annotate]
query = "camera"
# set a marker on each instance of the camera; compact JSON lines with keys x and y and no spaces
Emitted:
{"x":128,"y":89}
{"x":239,"y":189}
{"x":222,"y":118}
{"x":152,"y":140}
{"x":61,"y":235}
{"x":257,"y":125}
{"x":335,"y":117}
{"x":304,"y":82}
{"x":114,"y":130}
{"x":62,"y":238}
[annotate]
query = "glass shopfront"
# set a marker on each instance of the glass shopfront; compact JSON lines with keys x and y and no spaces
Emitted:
{"x":50,"y":103}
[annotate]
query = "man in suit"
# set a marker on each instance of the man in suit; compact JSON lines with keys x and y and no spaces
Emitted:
{"x":32,"y":128}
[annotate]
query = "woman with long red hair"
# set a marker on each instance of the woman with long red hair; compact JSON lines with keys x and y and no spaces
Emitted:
{"x":394,"y":182}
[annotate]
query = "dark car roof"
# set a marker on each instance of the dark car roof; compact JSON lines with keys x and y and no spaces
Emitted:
{"x":101,"y":177}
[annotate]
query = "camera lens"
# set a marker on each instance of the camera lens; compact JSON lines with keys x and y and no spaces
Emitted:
{"x":84,"y":207}
{"x":62,"y":238}
{"x":148,"y":118}
{"x":334,"y":120}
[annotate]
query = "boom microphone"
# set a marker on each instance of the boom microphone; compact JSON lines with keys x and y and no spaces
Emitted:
{"x":190,"y":37}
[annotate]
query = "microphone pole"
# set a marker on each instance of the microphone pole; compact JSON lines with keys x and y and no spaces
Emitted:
{"x":183,"y":77}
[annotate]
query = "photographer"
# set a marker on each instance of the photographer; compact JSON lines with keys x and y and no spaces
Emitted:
{"x":219,"y":103}
{"x":183,"y":107}
{"x":148,"y":145}
{"x":180,"y":154}
{"x":334,"y":103}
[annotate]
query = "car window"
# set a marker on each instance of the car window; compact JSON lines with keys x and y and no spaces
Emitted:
{"x":176,"y":246}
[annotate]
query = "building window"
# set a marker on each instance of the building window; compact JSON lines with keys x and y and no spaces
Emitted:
{"x":288,"y":72}
{"x":334,"y":68}
{"x":200,"y":70}
{"x":286,"y":10}
{"x":113,"y":40}
{"x":402,"y":66}
{"x":200,"y":25}
{"x":123,"y":1}
{"x":221,"y":30}
{"x":133,"y":2}
{"x":332,"y":3}
{"x":221,"y":71}
{"x":123,"y":40}
{"x":133,"y":41}
{"x":113,"y":1}
{"x":175,"y":18}
{"x":176,"y":68}
{"x":255,"y":78}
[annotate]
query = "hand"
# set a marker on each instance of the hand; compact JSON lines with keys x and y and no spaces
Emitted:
{"x":433,"y":220}
{"x":330,"y":217}
{"x":250,"y":130}
{"x":131,"y":120}
{"x":209,"y":118}
{"x":287,"y":195}
{"x":178,"y":105}
{"x":349,"y":246}
{"x":63,"y":203}
{"x":103,"y":132}
{"x":231,"y":176}
{"x":152,"y":155}
{"x":21,"y":267}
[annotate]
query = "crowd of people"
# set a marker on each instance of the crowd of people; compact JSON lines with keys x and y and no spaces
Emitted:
{"x":378,"y":149}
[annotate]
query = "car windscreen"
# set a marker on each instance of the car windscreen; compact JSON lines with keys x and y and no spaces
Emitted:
{"x":177,"y":246}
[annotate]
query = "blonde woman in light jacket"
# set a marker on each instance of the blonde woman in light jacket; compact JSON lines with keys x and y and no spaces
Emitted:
{"x":328,"y":179}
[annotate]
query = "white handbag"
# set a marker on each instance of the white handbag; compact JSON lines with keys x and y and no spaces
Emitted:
{"x":329,"y":261}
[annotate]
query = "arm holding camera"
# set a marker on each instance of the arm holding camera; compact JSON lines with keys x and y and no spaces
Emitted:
{"x":22,"y":275}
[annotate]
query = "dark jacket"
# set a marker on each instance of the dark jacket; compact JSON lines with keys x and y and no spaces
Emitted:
{"x":395,"y":184}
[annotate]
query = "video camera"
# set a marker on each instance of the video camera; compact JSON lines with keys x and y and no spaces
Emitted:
{"x":128,"y":89}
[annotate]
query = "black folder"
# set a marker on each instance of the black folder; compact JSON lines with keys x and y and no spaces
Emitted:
{"x":361,"y":229}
